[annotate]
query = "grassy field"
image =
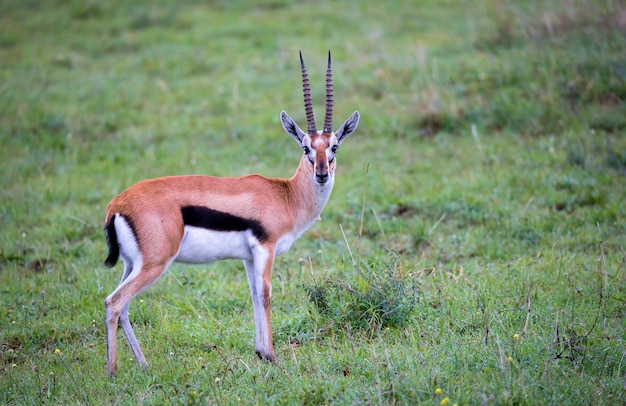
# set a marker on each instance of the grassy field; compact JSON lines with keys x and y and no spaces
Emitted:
{"x":473,"y":251}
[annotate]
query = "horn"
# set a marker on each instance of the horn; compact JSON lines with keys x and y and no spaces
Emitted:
{"x":328,"y":119}
{"x":308,"y":107}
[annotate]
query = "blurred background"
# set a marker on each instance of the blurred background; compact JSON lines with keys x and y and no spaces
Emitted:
{"x":484,"y":184}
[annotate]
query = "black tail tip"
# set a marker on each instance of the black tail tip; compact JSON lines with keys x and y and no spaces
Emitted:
{"x":114,"y":248}
{"x":110,"y":261}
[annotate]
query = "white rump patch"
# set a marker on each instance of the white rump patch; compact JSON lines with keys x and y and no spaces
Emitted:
{"x":129,"y":248}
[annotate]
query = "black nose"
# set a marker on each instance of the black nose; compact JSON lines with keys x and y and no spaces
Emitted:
{"x":322,"y":178}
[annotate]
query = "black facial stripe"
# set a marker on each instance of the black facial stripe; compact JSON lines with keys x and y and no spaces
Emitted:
{"x":200,"y":216}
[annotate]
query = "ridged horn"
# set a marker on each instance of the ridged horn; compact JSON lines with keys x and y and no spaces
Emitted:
{"x":308,"y":106}
{"x":328,"y":118}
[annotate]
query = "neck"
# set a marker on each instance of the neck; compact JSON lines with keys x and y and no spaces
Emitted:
{"x":309,"y":198}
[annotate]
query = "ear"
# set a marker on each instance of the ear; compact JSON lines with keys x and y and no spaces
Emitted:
{"x":348,"y":127}
{"x":291,"y":127}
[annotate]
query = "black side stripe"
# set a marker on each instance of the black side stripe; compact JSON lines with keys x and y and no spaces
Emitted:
{"x":200,"y":216}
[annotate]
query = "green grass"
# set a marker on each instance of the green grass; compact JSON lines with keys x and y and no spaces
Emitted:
{"x":481,"y":199}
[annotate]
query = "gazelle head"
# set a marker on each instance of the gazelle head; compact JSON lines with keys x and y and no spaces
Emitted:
{"x":320,"y":147}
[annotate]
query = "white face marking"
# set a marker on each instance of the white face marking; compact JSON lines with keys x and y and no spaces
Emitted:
{"x":331,"y":151}
{"x":319,"y":142}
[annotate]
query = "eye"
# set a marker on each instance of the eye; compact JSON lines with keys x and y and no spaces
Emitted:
{"x":306,"y":150}
{"x":334,"y":149}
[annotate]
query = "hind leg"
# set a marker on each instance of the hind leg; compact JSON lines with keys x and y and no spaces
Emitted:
{"x":111,"y":324}
{"x":126,"y":326}
{"x":116,"y":305}
{"x":131,"y":338}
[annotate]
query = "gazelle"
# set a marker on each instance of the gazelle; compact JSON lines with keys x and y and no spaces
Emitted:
{"x":202,"y":219}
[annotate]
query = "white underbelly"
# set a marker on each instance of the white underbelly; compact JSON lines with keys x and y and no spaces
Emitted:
{"x":202,"y":246}
{"x":285,"y":243}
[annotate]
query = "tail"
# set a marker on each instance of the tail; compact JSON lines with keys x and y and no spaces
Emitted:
{"x":114,"y":246}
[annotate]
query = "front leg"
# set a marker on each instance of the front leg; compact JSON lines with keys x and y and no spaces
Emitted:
{"x":259,"y":271}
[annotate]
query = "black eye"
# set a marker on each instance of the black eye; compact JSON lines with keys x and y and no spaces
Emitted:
{"x":334,"y":149}
{"x":306,"y":150}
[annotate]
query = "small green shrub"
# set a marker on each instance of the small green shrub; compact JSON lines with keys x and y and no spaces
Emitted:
{"x":380,"y":295}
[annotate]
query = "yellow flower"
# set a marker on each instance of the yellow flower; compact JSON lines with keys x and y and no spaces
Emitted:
{"x":444,"y":401}
{"x":57,"y":351}
{"x":516,"y":337}
{"x":438,"y":391}
{"x":510,"y":359}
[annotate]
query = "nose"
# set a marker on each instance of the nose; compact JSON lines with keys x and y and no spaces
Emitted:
{"x":321,"y":172}
{"x":321,"y":179}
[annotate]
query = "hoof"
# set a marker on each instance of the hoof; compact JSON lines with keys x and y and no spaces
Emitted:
{"x":267,"y":357}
